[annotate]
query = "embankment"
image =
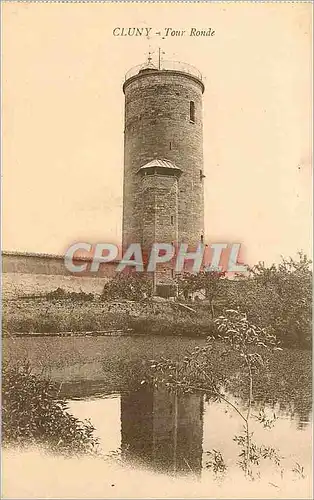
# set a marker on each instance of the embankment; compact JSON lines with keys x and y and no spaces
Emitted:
{"x":42,"y":315}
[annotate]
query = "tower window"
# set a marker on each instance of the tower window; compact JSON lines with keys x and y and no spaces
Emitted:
{"x":192,"y":112}
{"x":170,"y":145}
{"x":172,"y":220}
{"x":202,"y":238}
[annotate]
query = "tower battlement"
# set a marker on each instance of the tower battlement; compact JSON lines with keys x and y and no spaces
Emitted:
{"x":175,"y":67}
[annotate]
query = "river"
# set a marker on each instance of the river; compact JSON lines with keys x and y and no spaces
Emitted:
{"x":171,"y":434}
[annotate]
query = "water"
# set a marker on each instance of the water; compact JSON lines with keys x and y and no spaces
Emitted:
{"x":171,"y":434}
{"x":168,"y":433}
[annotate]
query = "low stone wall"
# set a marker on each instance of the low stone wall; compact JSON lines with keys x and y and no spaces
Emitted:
{"x":32,"y":263}
{"x":16,"y":285}
{"x":36,"y":274}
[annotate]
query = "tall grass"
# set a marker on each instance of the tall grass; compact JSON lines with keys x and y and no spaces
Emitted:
{"x":46,"y":315}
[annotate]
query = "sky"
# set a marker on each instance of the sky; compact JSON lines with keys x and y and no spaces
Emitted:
{"x":63,"y":120}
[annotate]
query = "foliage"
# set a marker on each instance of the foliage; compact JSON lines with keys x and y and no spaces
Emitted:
{"x":171,"y":323}
{"x":216,"y":462}
{"x":278,"y":297}
{"x":209,"y":283}
{"x":195,"y":373}
{"x":144,"y":317}
{"x":299,"y":470}
{"x":252,"y":343}
{"x":131,"y":286}
{"x":60,"y":293}
{"x":58,"y":315}
{"x":267,"y":421}
{"x":34,"y":414}
{"x":254,"y":454}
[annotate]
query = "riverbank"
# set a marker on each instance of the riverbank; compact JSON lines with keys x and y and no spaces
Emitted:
{"x":40,"y":315}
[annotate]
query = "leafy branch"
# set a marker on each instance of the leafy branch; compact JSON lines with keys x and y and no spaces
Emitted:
{"x":252,"y":344}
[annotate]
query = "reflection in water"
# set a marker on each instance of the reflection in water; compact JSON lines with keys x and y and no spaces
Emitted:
{"x":101,"y":379}
{"x":169,"y":433}
{"x":164,"y":432}
{"x":161,"y":430}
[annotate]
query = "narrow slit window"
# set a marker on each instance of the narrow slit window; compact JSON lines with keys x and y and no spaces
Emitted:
{"x":170,"y":145}
{"x":172,"y":220}
{"x":202,"y":238}
{"x":192,"y":112}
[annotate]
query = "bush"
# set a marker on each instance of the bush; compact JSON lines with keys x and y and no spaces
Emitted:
{"x":278,"y":297}
{"x":34,"y":414}
{"x":130,"y":286}
{"x":171,"y":322}
{"x":59,"y":293}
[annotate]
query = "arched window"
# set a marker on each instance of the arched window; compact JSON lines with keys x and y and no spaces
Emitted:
{"x":192,"y":112}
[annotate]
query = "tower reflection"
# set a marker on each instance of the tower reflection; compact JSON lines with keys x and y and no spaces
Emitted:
{"x":162,"y":431}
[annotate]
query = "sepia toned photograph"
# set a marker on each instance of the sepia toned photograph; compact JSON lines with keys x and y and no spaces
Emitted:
{"x":156,"y":250}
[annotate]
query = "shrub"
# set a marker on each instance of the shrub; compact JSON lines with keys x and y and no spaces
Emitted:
{"x":165,"y":322}
{"x":131,"y":286}
{"x":278,"y":297}
{"x":34,"y":414}
{"x":59,"y":293}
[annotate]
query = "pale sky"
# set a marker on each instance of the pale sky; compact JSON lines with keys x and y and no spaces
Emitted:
{"x":63,"y":107}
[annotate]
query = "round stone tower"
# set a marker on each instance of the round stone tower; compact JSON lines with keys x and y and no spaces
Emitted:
{"x":163,"y":193}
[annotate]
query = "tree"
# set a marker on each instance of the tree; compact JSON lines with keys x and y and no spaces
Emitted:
{"x":290,"y":287}
{"x":195,"y":373}
{"x":278,"y":297}
{"x":208,"y":282}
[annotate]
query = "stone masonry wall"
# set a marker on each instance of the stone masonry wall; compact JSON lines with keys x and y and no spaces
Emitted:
{"x":34,"y":274}
{"x":160,"y":209}
{"x":15,"y":285}
{"x":158,"y":125}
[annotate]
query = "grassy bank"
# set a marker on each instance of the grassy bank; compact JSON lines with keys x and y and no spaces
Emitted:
{"x":42,"y":315}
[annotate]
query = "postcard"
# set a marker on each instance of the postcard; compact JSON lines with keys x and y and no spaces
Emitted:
{"x":156,"y":250}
